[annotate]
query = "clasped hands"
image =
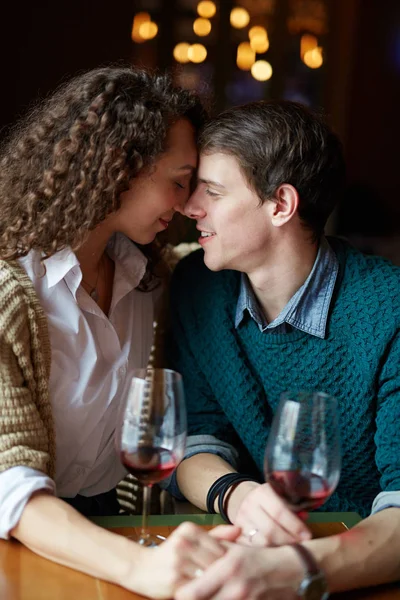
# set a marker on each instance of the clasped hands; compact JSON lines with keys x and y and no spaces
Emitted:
{"x":260,"y":565}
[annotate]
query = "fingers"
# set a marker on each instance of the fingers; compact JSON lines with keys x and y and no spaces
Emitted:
{"x":208,"y":585}
{"x":263,"y":510}
{"x":281,"y":514}
{"x":228,"y":533}
{"x":198,"y":547}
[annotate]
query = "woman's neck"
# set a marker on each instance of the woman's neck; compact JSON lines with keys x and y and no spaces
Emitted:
{"x":91,"y":252}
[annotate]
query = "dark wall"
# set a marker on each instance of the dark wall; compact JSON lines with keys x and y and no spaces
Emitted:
{"x":372,"y":204}
{"x":43,"y":42}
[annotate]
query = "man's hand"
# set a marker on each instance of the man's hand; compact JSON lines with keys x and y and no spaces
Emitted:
{"x":248,"y":574}
{"x":264,"y":517}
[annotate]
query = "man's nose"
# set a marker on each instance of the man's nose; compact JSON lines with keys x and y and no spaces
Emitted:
{"x":193,"y":208}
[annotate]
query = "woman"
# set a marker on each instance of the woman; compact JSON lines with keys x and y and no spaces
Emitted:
{"x":105,"y":162}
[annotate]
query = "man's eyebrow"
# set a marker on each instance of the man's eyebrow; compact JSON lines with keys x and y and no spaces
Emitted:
{"x":211,"y":182}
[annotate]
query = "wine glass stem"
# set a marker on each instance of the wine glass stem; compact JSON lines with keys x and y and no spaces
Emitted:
{"x":146,"y":509}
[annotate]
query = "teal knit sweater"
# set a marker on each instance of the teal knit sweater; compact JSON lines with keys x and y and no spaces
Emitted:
{"x":234,"y":377}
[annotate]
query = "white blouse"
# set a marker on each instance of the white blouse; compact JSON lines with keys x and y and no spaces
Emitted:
{"x":91,"y":356}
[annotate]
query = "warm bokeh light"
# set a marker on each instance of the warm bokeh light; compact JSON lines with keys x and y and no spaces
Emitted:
{"x":181,"y":52}
{"x":206,"y":9}
{"x":148,"y":30}
{"x":307,"y":42}
{"x":197,"y":53}
{"x":239,"y":17}
{"x":259,"y":43}
{"x":257,"y":30}
{"x":313,"y":58}
{"x":138,"y":20}
{"x":261,"y":70}
{"x":245,"y":56}
{"x":202,"y":27}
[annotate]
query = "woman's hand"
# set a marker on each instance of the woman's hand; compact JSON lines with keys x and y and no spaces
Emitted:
{"x":264,"y":517}
{"x":248,"y":574}
{"x":187,"y":552}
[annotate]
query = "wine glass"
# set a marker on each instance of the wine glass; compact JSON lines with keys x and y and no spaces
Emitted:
{"x":151,"y":432}
{"x":302,"y":457}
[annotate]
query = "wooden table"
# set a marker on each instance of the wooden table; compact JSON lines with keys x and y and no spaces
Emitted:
{"x":26,"y":576}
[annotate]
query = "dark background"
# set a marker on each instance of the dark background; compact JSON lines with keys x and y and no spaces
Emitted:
{"x":44,"y":42}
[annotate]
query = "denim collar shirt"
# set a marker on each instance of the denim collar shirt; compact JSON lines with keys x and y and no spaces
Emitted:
{"x":308,"y":308}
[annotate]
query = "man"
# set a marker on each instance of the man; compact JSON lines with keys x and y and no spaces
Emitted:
{"x":276,"y":306}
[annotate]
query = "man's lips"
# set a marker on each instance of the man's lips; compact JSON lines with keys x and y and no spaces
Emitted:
{"x":203,"y":239}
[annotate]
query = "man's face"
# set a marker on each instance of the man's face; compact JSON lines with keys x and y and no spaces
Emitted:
{"x":235,"y":227}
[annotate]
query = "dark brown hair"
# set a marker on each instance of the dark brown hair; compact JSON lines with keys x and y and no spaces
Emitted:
{"x":278,"y":142}
{"x":64,"y":166}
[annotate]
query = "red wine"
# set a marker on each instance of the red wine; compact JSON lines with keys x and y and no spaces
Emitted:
{"x":303,"y":492}
{"x":149,"y":464}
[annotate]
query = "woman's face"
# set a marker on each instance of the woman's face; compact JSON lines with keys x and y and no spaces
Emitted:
{"x":160,"y":190}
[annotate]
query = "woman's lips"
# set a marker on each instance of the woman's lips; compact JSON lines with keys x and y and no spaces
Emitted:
{"x":164,"y":223}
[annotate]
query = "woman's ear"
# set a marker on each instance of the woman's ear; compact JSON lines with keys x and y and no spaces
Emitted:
{"x":285,"y":204}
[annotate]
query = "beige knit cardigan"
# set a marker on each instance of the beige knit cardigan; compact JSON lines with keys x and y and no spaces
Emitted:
{"x":26,"y":424}
{"x":27,"y":436}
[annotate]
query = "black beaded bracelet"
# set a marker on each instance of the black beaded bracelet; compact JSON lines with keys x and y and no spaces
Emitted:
{"x":226,"y":488}
{"x":215,"y":489}
{"x":219,"y":489}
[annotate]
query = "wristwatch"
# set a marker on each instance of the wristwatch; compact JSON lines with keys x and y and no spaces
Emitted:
{"x":313,"y":586}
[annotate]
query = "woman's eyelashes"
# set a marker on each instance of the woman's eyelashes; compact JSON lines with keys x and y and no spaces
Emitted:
{"x":210,"y":193}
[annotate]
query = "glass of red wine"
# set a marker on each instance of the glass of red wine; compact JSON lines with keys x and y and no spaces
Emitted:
{"x":302,"y":457}
{"x":151,"y":435}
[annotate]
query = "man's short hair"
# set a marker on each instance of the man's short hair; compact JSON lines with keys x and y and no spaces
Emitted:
{"x":278,"y":142}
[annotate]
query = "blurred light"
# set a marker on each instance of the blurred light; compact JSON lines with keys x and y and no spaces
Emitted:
{"x":245,"y":56}
{"x":202,"y":27}
{"x":261,"y":70}
{"x":257,"y":30}
{"x":307,"y":42}
{"x":139,"y":18}
{"x":181,"y":52}
{"x":313,"y":58}
{"x":259,"y":43}
{"x":239,"y":17}
{"x":148,"y":30}
{"x":206,"y":9}
{"x":197,"y":53}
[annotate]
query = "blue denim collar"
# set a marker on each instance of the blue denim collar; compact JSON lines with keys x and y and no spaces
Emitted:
{"x":308,"y":308}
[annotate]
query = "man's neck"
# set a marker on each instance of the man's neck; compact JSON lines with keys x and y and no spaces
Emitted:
{"x":286,"y":269}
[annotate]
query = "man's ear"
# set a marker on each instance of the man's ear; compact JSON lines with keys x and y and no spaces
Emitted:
{"x":284,"y":205}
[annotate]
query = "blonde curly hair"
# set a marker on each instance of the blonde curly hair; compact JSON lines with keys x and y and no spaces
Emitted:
{"x":64,"y":166}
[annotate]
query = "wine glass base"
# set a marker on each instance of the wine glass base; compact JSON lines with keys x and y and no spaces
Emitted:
{"x":149,"y":540}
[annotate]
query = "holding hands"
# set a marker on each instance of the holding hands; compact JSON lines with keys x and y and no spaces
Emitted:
{"x":248,"y":574}
{"x":186,"y":553}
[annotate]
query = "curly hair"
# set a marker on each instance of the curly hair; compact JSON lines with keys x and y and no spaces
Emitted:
{"x":64,"y":166}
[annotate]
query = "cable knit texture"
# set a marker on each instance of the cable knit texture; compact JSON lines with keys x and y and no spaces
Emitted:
{"x":26,"y":424}
{"x":233,"y":378}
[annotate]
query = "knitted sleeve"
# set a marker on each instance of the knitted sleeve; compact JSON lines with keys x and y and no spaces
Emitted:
{"x":23,"y":436}
{"x":205,"y":415}
{"x":387,"y":437}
